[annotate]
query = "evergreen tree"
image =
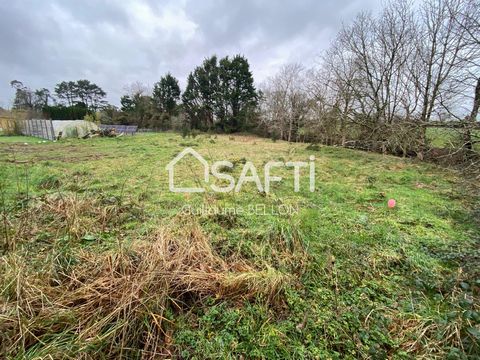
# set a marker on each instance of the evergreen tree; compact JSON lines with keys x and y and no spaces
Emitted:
{"x":220,"y":94}
{"x":192,"y":102}
{"x":23,"y":96}
{"x":166,"y":94}
{"x":237,"y":97}
{"x":81,"y":92}
{"x":66,"y":91}
{"x":27,"y":99}
{"x":41,"y":98}
{"x":200,"y":96}
{"x":138,"y":108}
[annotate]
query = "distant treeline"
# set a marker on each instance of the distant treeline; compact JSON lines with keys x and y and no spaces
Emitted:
{"x":220,"y":96}
{"x":381,"y":82}
{"x":72,"y":100}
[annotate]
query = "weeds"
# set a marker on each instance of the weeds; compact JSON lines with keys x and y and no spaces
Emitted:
{"x":97,"y":262}
{"x":68,"y":214}
{"x":313,"y":147}
{"x":116,"y":302}
{"x":49,"y":182}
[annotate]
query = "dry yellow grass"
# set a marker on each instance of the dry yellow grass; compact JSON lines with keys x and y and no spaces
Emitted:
{"x":117,"y":300}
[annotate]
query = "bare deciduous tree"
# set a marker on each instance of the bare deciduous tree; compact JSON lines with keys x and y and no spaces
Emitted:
{"x":285,"y":102}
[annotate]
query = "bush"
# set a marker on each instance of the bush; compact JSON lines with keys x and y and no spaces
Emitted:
{"x":194,"y":133}
{"x":313,"y":147}
{"x":61,"y":112}
{"x":185,"y":132}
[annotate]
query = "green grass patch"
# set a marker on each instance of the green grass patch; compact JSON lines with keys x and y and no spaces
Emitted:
{"x":339,"y":275}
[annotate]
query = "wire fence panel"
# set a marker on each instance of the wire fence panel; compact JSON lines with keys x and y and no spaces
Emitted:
{"x":120,"y":129}
{"x":40,"y":128}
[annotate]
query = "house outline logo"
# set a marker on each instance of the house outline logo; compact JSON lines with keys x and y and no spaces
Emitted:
{"x":248,"y":168}
{"x":171,"y":166}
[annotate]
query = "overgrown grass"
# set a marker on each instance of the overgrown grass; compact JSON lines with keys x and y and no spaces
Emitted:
{"x":99,"y":260}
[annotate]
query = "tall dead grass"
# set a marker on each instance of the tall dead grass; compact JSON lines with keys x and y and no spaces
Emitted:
{"x":113,"y":304}
{"x":60,"y":214}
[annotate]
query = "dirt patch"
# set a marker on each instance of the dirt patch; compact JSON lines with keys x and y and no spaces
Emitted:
{"x":33,"y":148}
{"x":69,"y":153}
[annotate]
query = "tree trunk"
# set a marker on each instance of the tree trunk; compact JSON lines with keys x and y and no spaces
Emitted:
{"x":290,"y":131}
{"x":467,"y":136}
{"x":342,"y":129}
{"x":423,"y":143}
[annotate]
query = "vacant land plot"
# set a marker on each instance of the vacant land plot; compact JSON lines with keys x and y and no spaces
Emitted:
{"x":100,"y":260}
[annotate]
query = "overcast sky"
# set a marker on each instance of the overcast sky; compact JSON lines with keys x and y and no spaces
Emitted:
{"x":114,"y":43}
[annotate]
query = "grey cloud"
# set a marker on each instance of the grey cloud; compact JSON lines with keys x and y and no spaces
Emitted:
{"x":114,"y":42}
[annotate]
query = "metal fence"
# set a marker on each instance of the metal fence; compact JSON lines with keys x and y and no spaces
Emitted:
{"x":120,"y":129}
{"x":39,"y":128}
{"x":150,"y":130}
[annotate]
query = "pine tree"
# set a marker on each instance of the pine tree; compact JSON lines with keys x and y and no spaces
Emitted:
{"x":220,"y":94}
{"x":200,"y":96}
{"x":166,"y":94}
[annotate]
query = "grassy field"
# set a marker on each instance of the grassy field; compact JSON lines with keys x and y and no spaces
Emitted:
{"x":449,"y":138}
{"x":100,"y":260}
